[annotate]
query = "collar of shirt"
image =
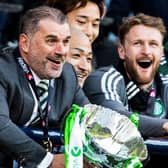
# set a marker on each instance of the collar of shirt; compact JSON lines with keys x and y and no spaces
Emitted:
{"x":37,"y":80}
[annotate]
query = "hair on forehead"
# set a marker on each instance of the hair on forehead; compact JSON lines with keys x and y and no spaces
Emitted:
{"x":29,"y":22}
{"x":67,"y":6}
{"x":140,"y":19}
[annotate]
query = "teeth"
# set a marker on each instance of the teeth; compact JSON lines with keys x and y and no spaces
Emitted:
{"x":58,"y":62}
{"x":81,"y":76}
{"x":144,"y":63}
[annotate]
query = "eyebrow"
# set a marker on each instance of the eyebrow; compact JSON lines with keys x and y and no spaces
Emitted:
{"x":85,"y":17}
{"x":68,"y":37}
{"x":90,"y":53}
{"x":55,"y":36}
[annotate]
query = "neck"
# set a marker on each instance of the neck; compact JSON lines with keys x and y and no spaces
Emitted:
{"x":145,"y":86}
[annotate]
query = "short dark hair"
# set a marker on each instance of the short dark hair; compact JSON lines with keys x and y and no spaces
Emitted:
{"x":140,"y":19}
{"x":67,"y":6}
{"x":29,"y":22}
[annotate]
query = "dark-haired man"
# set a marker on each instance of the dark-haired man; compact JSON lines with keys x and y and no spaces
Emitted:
{"x":40,"y":57}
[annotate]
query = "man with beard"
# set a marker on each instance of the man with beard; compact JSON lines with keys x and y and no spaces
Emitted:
{"x":136,"y":85}
{"x":39,"y":59}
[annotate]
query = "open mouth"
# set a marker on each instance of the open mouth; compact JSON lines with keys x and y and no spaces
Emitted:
{"x":56,"y":61}
{"x":144,"y":63}
{"x":81,"y":75}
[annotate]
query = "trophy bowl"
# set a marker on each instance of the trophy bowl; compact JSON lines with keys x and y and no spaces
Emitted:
{"x":111,"y":139}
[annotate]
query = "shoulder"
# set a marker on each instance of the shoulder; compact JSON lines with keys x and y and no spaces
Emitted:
{"x":7,"y":59}
{"x":69,"y":74}
{"x":68,"y":70}
{"x":8,"y":65}
{"x":6,"y":53}
{"x":105,"y":73}
{"x":102,"y":78}
{"x":68,"y":67}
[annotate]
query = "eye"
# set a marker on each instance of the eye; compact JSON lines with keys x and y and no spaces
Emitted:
{"x":89,"y":59}
{"x":137,"y":43}
{"x":154,"y":44}
{"x":96,"y":24}
{"x":76,"y":56}
{"x":66,"y":42}
{"x":81,"y":22}
{"x":51,"y":41}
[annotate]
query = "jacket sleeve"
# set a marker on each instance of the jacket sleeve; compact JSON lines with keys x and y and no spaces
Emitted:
{"x":109,"y":91}
{"x":14,"y":142}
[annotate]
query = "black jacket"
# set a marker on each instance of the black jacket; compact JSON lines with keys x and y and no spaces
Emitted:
{"x":108,"y":87}
{"x":17,"y":102}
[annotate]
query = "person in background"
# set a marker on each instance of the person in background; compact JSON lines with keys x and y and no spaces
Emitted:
{"x":118,"y":9}
{"x":136,"y":85}
{"x":85,"y":15}
{"x":10,"y":12}
{"x":80,"y":54}
{"x":39,"y":58}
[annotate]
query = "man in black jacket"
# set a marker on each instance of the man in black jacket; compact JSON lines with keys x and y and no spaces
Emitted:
{"x":117,"y":10}
{"x":136,"y":86}
{"x":43,"y":45}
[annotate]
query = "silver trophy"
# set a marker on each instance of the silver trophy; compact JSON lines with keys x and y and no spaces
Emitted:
{"x":112,"y":140}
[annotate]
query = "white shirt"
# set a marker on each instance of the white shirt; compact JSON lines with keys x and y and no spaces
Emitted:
{"x":37,"y":80}
{"x":49,"y":157}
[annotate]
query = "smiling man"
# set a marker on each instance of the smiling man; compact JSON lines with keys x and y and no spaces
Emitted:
{"x":39,"y":60}
{"x":135,"y":86}
{"x":80,"y":54}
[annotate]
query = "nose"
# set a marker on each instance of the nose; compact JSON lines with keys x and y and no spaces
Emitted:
{"x":61,"y":48}
{"x":89,"y":31}
{"x":146,"y":49}
{"x":84,"y":65}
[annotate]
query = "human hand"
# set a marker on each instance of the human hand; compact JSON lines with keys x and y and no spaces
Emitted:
{"x":165,"y":127}
{"x":58,"y":161}
{"x":88,"y":165}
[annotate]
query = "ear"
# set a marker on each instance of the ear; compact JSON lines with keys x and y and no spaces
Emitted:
{"x":24,"y":42}
{"x":162,"y":51}
{"x":121,"y":51}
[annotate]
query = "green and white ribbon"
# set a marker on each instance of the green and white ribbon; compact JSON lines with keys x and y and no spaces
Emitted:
{"x":77,"y":143}
{"x":133,"y":162}
{"x":135,"y":118}
{"x":73,"y":136}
